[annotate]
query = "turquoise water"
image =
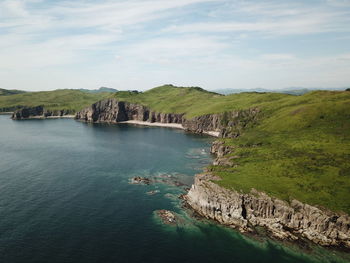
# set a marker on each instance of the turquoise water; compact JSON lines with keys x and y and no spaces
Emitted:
{"x":65,"y":196}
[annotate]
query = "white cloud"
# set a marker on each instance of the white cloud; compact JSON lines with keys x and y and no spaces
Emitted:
{"x":144,"y":43}
{"x":277,"y":56}
{"x":301,"y":25}
{"x":172,"y":50}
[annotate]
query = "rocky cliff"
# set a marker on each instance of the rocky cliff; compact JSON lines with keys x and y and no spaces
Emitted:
{"x":38,"y":112}
{"x":113,"y":111}
{"x":282,"y":219}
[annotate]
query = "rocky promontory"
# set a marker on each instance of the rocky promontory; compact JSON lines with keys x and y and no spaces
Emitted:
{"x":245,"y":211}
{"x":39,"y":112}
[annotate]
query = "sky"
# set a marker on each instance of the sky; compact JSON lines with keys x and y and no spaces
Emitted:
{"x":140,"y":44}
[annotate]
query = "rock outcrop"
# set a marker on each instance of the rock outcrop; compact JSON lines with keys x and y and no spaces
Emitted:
{"x":245,"y":211}
{"x":113,"y":111}
{"x":38,"y":112}
{"x":204,"y":123}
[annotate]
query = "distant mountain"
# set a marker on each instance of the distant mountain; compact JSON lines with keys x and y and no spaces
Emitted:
{"x":291,"y":90}
{"x":100,"y":90}
{"x":7,"y":92}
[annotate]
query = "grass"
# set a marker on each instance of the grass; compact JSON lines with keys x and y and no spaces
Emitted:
{"x":70,"y":100}
{"x":299,"y":148}
{"x":6,"y":92}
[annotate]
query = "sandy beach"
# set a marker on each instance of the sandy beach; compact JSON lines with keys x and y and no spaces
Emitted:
{"x":169,"y":125}
{"x":157,"y":124}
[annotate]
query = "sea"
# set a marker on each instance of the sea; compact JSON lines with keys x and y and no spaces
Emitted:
{"x":66,"y":196}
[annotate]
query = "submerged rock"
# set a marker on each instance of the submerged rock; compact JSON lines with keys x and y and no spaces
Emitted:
{"x":140,"y":180}
{"x":167,"y":217}
{"x":153,"y":192}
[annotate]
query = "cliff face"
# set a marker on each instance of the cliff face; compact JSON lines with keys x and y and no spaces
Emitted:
{"x":111,"y":110}
{"x":37,"y":112}
{"x":244,"y":211}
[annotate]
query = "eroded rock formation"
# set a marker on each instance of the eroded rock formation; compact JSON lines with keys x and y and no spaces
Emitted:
{"x":111,"y":110}
{"x":245,"y":211}
{"x":38,"y":112}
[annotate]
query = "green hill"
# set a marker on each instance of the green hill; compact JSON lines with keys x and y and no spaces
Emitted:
{"x":7,"y":92}
{"x":71,"y":100}
{"x":100,"y":90}
{"x":299,"y":149}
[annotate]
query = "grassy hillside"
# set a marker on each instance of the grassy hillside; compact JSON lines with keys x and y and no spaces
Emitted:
{"x":7,"y":92}
{"x":300,"y":147}
{"x":171,"y":99}
{"x":72,"y":100}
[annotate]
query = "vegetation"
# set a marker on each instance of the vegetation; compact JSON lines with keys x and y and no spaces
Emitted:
{"x":7,"y":92}
{"x":101,"y":89}
{"x":299,"y":147}
{"x":70,"y":100}
{"x":170,"y":99}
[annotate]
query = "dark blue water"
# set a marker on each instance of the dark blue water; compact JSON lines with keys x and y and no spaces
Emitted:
{"x":65,"y":196}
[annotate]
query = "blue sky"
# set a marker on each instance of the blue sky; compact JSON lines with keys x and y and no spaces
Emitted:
{"x":47,"y":44}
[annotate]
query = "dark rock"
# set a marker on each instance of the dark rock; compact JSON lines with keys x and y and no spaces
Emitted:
{"x":113,"y":111}
{"x":28,"y":112}
{"x":38,"y":112}
{"x":167,"y":217}
{"x":140,"y":180}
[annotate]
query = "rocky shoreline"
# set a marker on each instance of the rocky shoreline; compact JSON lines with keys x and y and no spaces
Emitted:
{"x":246,"y":211}
{"x":113,"y":111}
{"x":39,"y":112}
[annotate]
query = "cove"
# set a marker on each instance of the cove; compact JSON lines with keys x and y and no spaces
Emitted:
{"x":65,"y":196}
